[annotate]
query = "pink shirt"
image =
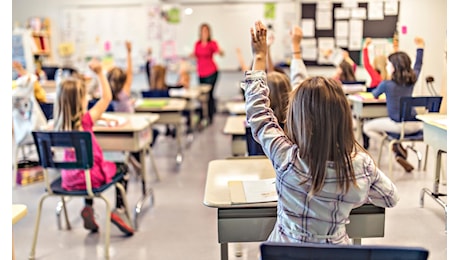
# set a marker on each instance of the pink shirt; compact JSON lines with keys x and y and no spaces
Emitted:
{"x":102,"y":171}
{"x":204,"y":57}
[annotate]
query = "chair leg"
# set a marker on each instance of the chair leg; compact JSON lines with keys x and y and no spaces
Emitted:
{"x":418,"y":154}
{"x":37,"y":225}
{"x":125,"y":202}
{"x":107,"y":227}
{"x":380,"y":150}
{"x":61,"y":206}
{"x":426,"y":157}
{"x":390,"y":158}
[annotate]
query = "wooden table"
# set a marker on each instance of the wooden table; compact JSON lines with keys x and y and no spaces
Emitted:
{"x":235,"y":126}
{"x":170,"y":111}
{"x":435,"y":135}
{"x":236,"y":107}
{"x":133,"y":136}
{"x":254,"y":222}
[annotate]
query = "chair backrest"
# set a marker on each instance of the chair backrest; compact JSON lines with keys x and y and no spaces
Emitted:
{"x":47,"y":110}
{"x":253,"y":147}
{"x":92,"y":102}
{"x":51,"y":144}
{"x":309,"y":251}
{"x":155,"y":93}
{"x":408,"y":106}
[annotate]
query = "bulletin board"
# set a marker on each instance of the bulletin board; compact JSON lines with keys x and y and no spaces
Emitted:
{"x":376,"y":28}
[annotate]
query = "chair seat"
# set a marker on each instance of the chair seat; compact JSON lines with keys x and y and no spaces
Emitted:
{"x":417,"y":136}
{"x":56,"y":187}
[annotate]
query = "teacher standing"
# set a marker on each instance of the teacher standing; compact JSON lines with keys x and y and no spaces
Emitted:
{"x":207,"y":69}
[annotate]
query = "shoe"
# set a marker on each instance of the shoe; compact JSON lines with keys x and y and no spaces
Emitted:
{"x":404,"y":163}
{"x":400,"y":150}
{"x":88,"y":219}
{"x":118,"y":218}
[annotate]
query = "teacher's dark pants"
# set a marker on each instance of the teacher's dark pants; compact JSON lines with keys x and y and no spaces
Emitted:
{"x":211,"y":80}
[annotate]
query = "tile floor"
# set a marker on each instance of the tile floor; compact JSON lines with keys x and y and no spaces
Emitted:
{"x":179,"y":226}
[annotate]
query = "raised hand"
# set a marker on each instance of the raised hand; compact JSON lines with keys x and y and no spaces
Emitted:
{"x":419,"y":42}
{"x":95,"y":66}
{"x":128,"y":46}
{"x":367,"y":42}
{"x":259,"y":46}
{"x":296,"y":35}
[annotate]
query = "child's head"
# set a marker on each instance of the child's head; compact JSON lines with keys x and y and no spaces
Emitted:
{"x":346,"y":71}
{"x":400,"y":70}
{"x":70,"y":104}
{"x":319,"y":121}
{"x":380,"y":64}
{"x":158,"y":78}
{"x":280,"y":88}
{"x":117,"y":79}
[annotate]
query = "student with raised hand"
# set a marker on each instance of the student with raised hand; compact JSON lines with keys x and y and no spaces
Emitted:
{"x":298,"y":69}
{"x":377,"y":71}
{"x":71,"y":114}
{"x":120,"y":82}
{"x":322,"y":172}
{"x":401,"y":84}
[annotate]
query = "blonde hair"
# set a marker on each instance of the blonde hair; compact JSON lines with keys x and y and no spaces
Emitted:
{"x":280,"y":88}
{"x":380,"y":63}
{"x":69,"y":107}
{"x":319,"y":121}
{"x":158,"y":78}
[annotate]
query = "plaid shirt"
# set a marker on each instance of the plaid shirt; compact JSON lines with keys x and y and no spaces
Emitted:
{"x":321,"y":219}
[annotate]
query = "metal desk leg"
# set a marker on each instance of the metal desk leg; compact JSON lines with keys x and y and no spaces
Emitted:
{"x":146,"y":192}
{"x":179,"y":156}
{"x":435,"y":194}
{"x":224,"y":251}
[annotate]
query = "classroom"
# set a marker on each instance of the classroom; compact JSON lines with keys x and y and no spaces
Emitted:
{"x":173,"y":209}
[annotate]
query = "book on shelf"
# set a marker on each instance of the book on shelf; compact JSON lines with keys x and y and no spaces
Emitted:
{"x":253,"y":191}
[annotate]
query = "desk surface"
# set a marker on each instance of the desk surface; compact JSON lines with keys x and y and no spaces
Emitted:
{"x":236,"y":107}
{"x":435,"y":119}
{"x":235,"y":125}
{"x":134,"y":122}
{"x":366,"y":97}
{"x":19,"y":211}
{"x":217,"y":193}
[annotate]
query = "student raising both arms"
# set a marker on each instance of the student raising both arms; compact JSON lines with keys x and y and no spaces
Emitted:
{"x":322,"y":173}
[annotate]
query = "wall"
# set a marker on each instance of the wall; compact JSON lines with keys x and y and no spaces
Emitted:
{"x":425,"y":18}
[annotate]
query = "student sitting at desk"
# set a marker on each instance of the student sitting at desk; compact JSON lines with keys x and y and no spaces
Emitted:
{"x":120,"y":82}
{"x":322,"y":172}
{"x":71,"y":115}
{"x":377,"y":71}
{"x":403,"y":79}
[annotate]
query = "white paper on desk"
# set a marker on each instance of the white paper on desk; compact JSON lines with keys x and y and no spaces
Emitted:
{"x":111,"y":120}
{"x":260,"y":190}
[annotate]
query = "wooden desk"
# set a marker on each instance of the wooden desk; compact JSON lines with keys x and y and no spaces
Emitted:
{"x":19,"y":211}
{"x":235,"y":126}
{"x":364,"y":107}
{"x":254,"y":222}
{"x":133,"y":136}
{"x":236,"y":107}
{"x":435,"y":135}
{"x":170,"y":111}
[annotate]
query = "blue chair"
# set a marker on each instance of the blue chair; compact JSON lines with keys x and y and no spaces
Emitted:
{"x":47,"y":110}
{"x":407,"y":113}
{"x":50,"y":146}
{"x":310,"y":251}
{"x":92,"y":102}
{"x":155,"y":93}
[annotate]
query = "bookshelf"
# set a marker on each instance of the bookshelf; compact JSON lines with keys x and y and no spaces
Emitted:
{"x":41,"y":34}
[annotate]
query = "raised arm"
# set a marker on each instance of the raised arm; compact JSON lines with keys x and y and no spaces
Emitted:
{"x":259,"y":46}
{"x":420,"y":44}
{"x":241,"y":61}
{"x":106,"y":93}
{"x":129,"y":69}
{"x":297,"y":67}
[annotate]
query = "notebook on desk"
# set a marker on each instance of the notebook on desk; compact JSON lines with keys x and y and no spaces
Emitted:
{"x":252,"y":191}
{"x":147,"y":103}
{"x":368,"y":96}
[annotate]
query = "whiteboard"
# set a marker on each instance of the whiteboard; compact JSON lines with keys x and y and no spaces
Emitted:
{"x":230,"y":25}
